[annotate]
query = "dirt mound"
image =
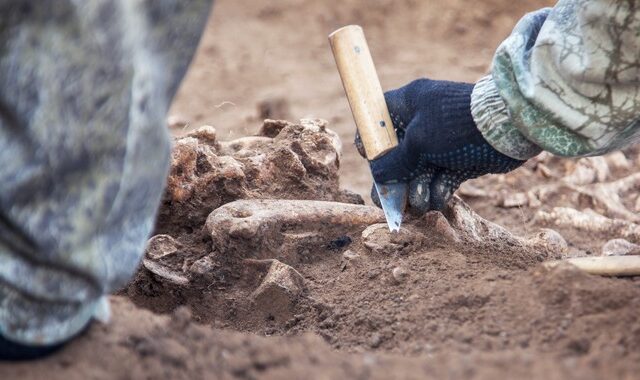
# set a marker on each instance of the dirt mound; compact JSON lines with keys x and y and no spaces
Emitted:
{"x":141,"y":345}
{"x":321,"y":289}
{"x":450,"y":285}
{"x":283,"y":160}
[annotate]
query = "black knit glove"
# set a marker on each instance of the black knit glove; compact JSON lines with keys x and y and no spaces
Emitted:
{"x":440,"y":145}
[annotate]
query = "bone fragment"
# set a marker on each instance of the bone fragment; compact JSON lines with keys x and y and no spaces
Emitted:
{"x":160,"y":246}
{"x":590,"y":221}
{"x":267,"y":228}
{"x":603,"y":265}
{"x":165,"y":273}
{"x":279,"y":290}
{"x":378,"y":239}
{"x":620,"y":247}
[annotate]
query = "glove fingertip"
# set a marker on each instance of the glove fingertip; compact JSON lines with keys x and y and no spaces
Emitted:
{"x":420,"y":193}
{"x":442,"y":189}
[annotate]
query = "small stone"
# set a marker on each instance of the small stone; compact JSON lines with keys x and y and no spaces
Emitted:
{"x":400,"y":274}
{"x":348,"y":258}
{"x":177,"y":121}
{"x":348,"y":196}
{"x":375,"y":341}
{"x":350,"y":255}
{"x":620,"y":247}
{"x":279,"y":291}
{"x":514,"y":200}
{"x":379,"y":239}
{"x":551,"y":240}
{"x":161,"y":246}
{"x":206,"y":134}
{"x":203,"y":266}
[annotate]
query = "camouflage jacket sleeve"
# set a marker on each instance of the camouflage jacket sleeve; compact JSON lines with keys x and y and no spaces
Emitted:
{"x":84,"y":89}
{"x":567,"y":80}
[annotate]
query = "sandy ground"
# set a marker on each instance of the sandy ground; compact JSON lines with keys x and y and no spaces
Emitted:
{"x":436,"y":301}
{"x":255,"y":51}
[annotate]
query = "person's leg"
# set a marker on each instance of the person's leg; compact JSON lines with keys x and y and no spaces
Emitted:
{"x":12,"y":351}
{"x":84,"y":90}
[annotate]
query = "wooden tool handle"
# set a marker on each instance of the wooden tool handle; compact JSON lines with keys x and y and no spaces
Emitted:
{"x":363,"y":89}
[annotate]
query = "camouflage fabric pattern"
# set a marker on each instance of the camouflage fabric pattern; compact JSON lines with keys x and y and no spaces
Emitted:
{"x":567,"y":80}
{"x":84,"y":90}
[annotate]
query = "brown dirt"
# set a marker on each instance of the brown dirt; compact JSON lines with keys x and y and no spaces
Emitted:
{"x":142,"y":345}
{"x":453,"y":296}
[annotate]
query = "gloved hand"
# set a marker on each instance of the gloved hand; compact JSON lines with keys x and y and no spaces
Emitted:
{"x":440,"y":145}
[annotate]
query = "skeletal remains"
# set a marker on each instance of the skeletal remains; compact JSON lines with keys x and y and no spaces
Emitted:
{"x":275,"y":199}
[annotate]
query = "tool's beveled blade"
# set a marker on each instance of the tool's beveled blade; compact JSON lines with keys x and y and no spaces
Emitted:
{"x":392,"y":199}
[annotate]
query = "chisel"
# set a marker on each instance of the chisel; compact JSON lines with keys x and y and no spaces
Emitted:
{"x":369,"y":110}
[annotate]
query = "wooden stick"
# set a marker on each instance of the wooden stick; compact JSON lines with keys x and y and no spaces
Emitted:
{"x":363,"y":89}
{"x":604,"y":265}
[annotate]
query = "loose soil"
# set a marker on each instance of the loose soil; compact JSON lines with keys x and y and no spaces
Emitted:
{"x":436,"y":301}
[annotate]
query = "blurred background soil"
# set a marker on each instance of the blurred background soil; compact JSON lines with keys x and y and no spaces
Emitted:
{"x":271,"y":59}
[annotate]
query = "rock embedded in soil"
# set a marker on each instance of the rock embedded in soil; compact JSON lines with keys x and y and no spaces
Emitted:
{"x":620,"y":247}
{"x":160,"y":246}
{"x":349,"y":258}
{"x":400,"y":274}
{"x":203,"y":268}
{"x":350,"y":255}
{"x":278,"y":292}
{"x":379,"y":240}
{"x":551,"y":240}
{"x":376,"y":340}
